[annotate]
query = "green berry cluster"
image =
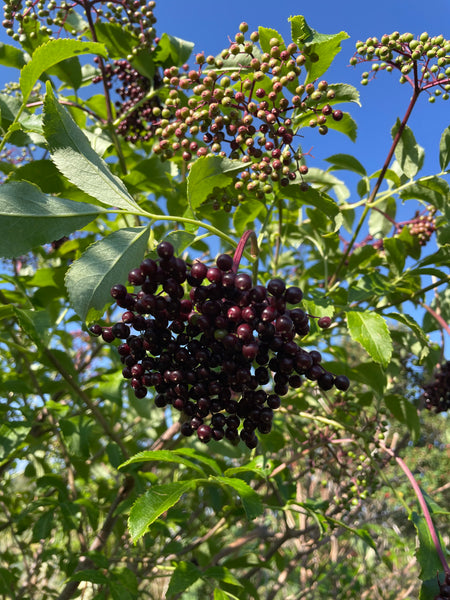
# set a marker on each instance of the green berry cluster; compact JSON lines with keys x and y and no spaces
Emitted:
{"x":424,"y":62}
{"x":243,"y":104}
{"x":423,"y":225}
{"x":50,"y":16}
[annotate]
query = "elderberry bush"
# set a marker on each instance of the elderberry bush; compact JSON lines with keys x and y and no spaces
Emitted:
{"x":224,"y":356}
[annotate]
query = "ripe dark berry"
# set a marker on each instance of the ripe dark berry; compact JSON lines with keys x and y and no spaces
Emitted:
{"x":342,"y":383}
{"x":224,"y":262}
{"x":96,"y":329}
{"x":276,"y":287}
{"x":324,"y":322}
{"x":165,"y":250}
{"x":204,"y":433}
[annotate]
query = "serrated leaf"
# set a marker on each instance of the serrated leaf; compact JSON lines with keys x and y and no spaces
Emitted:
{"x":444,"y":149}
{"x":152,"y":504}
{"x":416,"y":329}
{"x":117,"y":39}
{"x":10,"y":56}
{"x":409,"y":154}
{"x":404,"y":412}
{"x":266,"y":34}
{"x":172,"y":50}
{"x":206,"y":460}
{"x":75,"y":158}
{"x":250,"y":500}
{"x":317,"y":199}
{"x":325,"y":46}
{"x":246,"y":213}
{"x":207,"y":173}
{"x":105,"y":263}
{"x":370,"y":330}
{"x":51,"y":53}
{"x":432,"y":190}
{"x":185,"y":574}
{"x":347,"y":125}
{"x":426,"y":554}
{"x":29,"y":218}
{"x":165,"y":456}
{"x":346,"y":162}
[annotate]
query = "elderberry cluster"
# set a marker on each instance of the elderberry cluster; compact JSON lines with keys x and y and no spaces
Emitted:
{"x":423,"y":225}
{"x":245,"y":104}
{"x":139,"y":113}
{"x":135,"y":16}
{"x":222,"y":356}
{"x":424,"y":61}
{"x":436,"y":394}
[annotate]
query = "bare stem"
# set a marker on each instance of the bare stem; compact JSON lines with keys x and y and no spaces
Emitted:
{"x":378,"y":183}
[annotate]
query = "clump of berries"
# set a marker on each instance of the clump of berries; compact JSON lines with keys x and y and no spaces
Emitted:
{"x":223,"y":356}
{"x":135,"y":16}
{"x":423,"y":225}
{"x":245,"y":104}
{"x":424,"y":62}
{"x":139,"y":114}
{"x":436,"y":394}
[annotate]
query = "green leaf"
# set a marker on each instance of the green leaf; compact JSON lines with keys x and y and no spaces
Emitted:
{"x":165,"y":456}
{"x":185,"y":574}
{"x":408,"y":153}
{"x":42,"y":173}
{"x":246,"y":213}
{"x":250,"y":499}
{"x":346,"y":162}
{"x":370,"y":330}
{"x":432,"y":190}
{"x":405,"y":413}
{"x":444,"y":149}
{"x":317,"y":199}
{"x":426,"y":554}
{"x":75,"y":158}
{"x":156,"y":501}
{"x":395,"y":254}
{"x":29,"y":218}
{"x":51,"y":53}
{"x":119,"y":41}
{"x":91,"y":575}
{"x":222,"y":574}
{"x":416,"y":329}
{"x":172,"y":50}
{"x":265,"y":35}
{"x":10,"y":56}
{"x":207,"y":173}
{"x":380,"y":221}
{"x":324,"y":46}
{"x":200,"y":457}
{"x":105,"y":263}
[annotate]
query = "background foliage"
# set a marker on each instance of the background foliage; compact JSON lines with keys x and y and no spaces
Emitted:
{"x":102,"y":497}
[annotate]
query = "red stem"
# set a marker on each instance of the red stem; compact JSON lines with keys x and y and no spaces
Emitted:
{"x":424,"y":507}
{"x":248,"y":235}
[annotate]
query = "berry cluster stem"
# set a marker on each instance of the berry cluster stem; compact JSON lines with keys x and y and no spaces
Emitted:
{"x":248,"y":235}
{"x":378,"y":183}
